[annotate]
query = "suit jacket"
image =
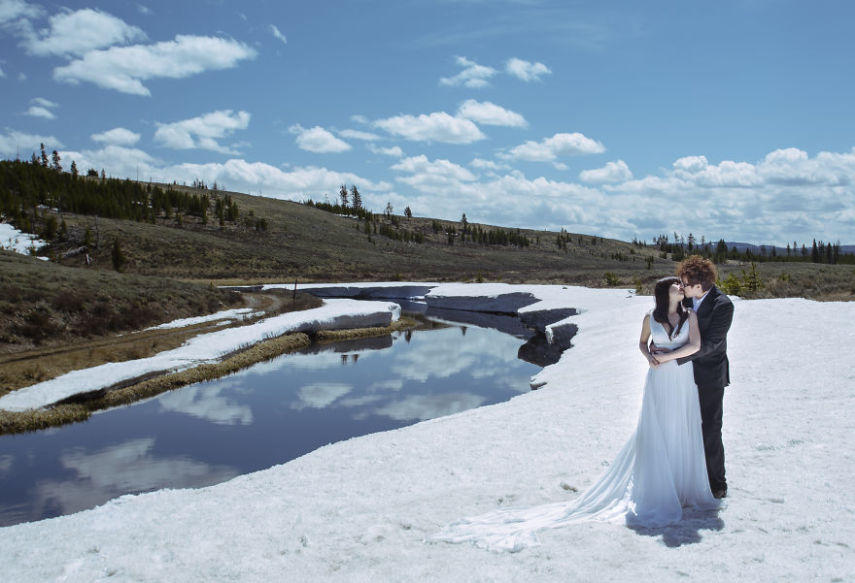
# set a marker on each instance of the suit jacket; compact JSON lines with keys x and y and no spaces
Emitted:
{"x":710,"y":363}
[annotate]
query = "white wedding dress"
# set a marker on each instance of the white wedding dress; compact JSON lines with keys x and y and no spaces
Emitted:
{"x":659,"y":471}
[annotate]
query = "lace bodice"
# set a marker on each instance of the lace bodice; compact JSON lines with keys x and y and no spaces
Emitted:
{"x":660,"y":334}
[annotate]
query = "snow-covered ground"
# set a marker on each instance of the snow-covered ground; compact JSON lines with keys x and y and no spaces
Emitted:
{"x":11,"y":239}
{"x":360,"y":510}
{"x":226,"y":316}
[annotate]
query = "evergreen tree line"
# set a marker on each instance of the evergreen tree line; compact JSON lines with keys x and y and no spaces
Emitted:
{"x":680,"y":247}
{"x":27,"y":186}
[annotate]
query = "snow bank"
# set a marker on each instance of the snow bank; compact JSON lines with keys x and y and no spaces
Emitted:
{"x":333,"y":315}
{"x":360,"y":510}
{"x":228,"y":315}
{"x":12,"y":239}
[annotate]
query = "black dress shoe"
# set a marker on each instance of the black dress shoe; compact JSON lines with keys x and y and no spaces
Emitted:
{"x":719,"y":493}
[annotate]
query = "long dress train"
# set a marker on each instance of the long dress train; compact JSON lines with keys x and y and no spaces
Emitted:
{"x":659,"y":471}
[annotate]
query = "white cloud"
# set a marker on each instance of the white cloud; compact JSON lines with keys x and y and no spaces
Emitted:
{"x":434,"y":127}
{"x":394,"y":151}
{"x":691,"y":164}
{"x":117,"y":136}
{"x":125,"y":68}
{"x":473,"y":75}
{"x":561,"y":144}
{"x":241,"y":175}
{"x":430,"y":176}
{"x":487,"y":113}
{"x":43,"y":102}
{"x":2,"y":73}
{"x":76,"y":33}
{"x":318,"y":140}
{"x":39,"y":111}
{"x":359,"y":135}
{"x":12,"y":10}
{"x":488,"y":165}
{"x":526,"y":71}
{"x":14,"y":143}
{"x":277,"y":34}
{"x":616,"y":171}
{"x":41,"y":107}
{"x":202,"y":132}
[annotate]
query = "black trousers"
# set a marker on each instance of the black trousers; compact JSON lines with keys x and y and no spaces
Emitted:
{"x":711,"y":399}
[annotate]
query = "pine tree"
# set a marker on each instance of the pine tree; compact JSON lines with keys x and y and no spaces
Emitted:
{"x":355,"y":198}
{"x":56,"y":158}
{"x":118,"y":256}
{"x":342,"y":193}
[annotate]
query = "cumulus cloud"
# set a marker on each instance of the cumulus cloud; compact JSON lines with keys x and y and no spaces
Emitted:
{"x":394,"y":151}
{"x":202,"y":132}
{"x":78,"y":32}
{"x":430,"y":176}
{"x":236,"y":174}
{"x":278,"y":35}
{"x":14,"y":143}
{"x":434,"y":127}
{"x":125,"y":68}
{"x":482,"y":164}
{"x":473,"y":75}
{"x":318,"y":140}
{"x":359,"y":135}
{"x":561,"y":144}
{"x":117,"y":136}
{"x":616,"y":171}
{"x":15,"y":10}
{"x":487,"y":113}
{"x":526,"y":71}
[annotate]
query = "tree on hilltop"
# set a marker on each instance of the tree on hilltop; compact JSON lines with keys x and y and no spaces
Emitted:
{"x":355,"y":198}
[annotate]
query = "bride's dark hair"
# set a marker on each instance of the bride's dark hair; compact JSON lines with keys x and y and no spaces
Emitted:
{"x":662,"y":295}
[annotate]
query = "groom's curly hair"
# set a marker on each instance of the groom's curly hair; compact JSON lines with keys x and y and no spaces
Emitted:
{"x":698,"y":270}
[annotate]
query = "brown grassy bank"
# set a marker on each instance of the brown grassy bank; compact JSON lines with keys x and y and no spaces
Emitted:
{"x":21,"y":368}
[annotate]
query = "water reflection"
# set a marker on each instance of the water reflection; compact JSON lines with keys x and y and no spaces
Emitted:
{"x":208,"y":403}
{"x":268,"y":414}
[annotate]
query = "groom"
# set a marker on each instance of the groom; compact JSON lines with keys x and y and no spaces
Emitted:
{"x":715,"y":313}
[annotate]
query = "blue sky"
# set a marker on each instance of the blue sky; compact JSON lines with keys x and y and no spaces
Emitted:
{"x":622,"y":119}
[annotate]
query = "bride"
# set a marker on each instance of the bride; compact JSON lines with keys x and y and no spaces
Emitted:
{"x":659,"y":471}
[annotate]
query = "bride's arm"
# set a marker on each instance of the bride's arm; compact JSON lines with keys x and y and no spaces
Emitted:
{"x":644,"y":341}
{"x":690,"y":347}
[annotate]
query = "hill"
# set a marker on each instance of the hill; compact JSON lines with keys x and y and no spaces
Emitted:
{"x":211,"y":236}
{"x":301,"y":242}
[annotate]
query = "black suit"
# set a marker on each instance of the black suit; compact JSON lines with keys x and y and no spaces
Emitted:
{"x":712,"y":374}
